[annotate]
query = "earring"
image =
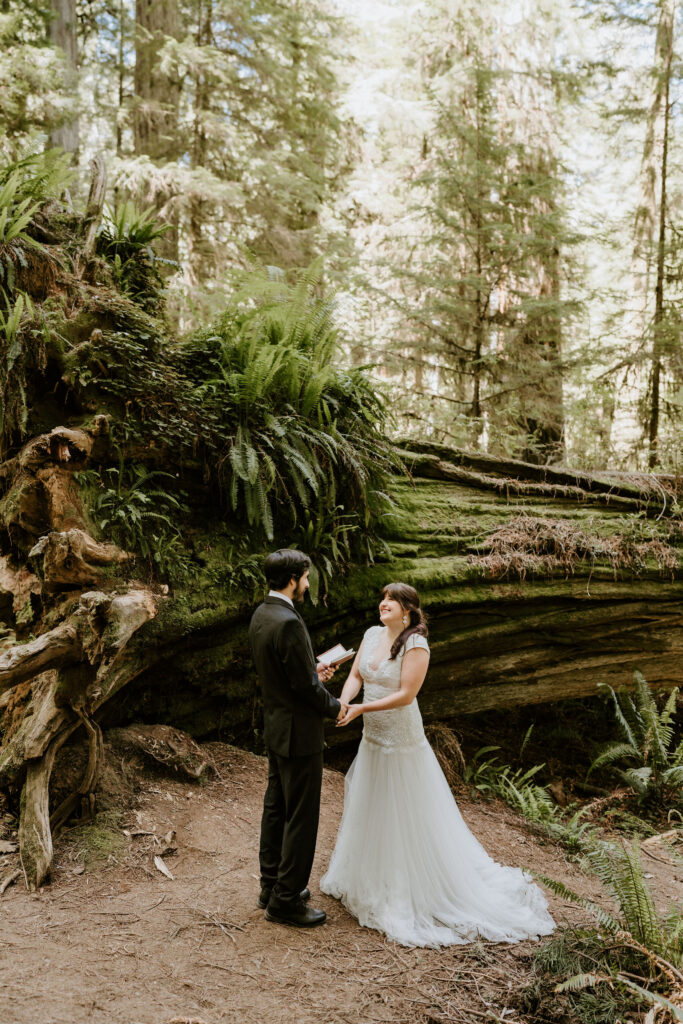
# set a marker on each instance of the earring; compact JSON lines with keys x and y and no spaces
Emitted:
{"x":405,"y":621}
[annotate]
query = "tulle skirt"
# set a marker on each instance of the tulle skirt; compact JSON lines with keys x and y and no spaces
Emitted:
{"x":406,"y":863}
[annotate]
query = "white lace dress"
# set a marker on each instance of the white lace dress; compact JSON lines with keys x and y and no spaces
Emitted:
{"x":405,"y":862}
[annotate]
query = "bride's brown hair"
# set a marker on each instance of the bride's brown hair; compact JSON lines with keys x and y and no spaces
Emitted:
{"x":409,"y":599}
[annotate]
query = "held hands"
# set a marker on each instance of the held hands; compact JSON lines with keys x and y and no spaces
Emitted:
{"x":348,"y":713}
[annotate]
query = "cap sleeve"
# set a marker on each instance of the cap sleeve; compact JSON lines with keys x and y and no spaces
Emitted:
{"x":416,"y":640}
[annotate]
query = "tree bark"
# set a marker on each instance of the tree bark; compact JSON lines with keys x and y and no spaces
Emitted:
{"x":63,"y":26}
{"x":157,"y":94}
{"x":658,"y":322}
{"x":35,"y":834}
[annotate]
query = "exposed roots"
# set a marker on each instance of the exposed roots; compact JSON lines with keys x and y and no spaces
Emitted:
{"x":448,"y":752}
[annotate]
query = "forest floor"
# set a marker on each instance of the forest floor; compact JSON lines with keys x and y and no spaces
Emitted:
{"x":113,"y":941}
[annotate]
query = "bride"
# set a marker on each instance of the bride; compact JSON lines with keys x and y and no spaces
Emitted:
{"x":405,"y":862}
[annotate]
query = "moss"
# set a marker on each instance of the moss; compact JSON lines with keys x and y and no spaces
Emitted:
{"x":100,"y":839}
{"x":25,"y":614}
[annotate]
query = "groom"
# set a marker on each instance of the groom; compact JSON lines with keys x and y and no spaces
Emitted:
{"x":295,"y":703}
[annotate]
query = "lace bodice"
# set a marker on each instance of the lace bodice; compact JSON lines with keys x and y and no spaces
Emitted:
{"x":398,"y":728}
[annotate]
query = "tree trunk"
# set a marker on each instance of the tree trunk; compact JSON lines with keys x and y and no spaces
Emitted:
{"x":646,"y":214}
{"x":157,"y":94}
{"x":157,"y":101}
{"x":63,"y":27}
{"x":197,"y":217}
{"x":658,"y":322}
{"x":627,"y":423}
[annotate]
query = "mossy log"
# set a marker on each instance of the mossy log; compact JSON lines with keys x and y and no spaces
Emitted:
{"x":591,"y":591}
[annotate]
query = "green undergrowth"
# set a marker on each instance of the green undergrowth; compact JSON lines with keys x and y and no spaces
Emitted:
{"x":631,"y":958}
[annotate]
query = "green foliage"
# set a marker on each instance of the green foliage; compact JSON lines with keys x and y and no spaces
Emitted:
{"x":23,"y":346}
{"x":479,"y":287}
{"x":301,"y":442}
{"x":30,"y":78}
{"x":513,"y":785}
{"x":10,"y":324}
{"x":573,"y":953}
{"x":15,"y":212}
{"x":100,"y":839}
{"x":291,"y":443}
{"x":637,"y":920}
{"x":517,"y":788}
{"x":26,"y":184}
{"x":639,"y":940}
{"x":126,"y":241}
{"x":138,"y":517}
{"x":655,"y":766}
{"x":239,"y":570}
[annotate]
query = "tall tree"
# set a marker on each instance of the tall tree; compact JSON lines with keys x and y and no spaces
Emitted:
{"x":157,"y":92}
{"x":486,"y":310}
{"x":661,"y":111}
{"x":63,"y":34}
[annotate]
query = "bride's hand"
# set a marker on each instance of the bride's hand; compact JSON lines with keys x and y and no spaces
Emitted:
{"x":353,"y":711}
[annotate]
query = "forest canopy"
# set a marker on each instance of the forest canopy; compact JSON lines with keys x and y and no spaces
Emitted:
{"x":495,"y":191}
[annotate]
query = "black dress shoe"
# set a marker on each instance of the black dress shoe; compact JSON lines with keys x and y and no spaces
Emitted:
{"x":296,"y":914}
{"x":265,"y":896}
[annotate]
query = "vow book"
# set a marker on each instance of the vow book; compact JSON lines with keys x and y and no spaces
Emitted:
{"x":336,"y":655}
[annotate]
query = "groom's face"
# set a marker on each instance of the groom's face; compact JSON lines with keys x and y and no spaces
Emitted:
{"x":302,"y":586}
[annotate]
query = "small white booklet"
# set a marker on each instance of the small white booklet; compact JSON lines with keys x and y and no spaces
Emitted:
{"x":336,"y":655}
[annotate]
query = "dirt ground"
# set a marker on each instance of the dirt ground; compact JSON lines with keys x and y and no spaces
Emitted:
{"x":114,"y":941}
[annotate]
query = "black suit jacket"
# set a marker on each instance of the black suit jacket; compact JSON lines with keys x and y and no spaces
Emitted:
{"x":295,"y":702}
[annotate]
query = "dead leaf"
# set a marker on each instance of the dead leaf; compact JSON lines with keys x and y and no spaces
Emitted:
{"x":160,"y":866}
{"x":168,"y":845}
{"x":6,"y":847}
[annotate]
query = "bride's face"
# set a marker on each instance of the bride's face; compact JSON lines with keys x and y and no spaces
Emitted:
{"x":391,"y":612}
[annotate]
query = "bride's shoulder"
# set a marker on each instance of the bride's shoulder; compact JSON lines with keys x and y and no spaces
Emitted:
{"x":416,"y":640}
{"x":370,"y":630}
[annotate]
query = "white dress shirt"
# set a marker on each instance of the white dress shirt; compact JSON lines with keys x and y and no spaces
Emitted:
{"x":278,"y":593}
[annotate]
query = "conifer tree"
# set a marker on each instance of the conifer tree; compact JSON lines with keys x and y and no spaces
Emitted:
{"x":484,"y":304}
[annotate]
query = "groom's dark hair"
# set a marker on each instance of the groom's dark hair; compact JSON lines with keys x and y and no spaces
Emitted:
{"x":280,"y":566}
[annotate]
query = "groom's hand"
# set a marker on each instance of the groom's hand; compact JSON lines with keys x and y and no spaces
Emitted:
{"x":342,"y":712}
{"x":325,"y":672}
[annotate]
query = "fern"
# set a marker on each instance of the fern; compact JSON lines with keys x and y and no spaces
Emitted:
{"x":647,"y":738}
{"x":302,"y":429}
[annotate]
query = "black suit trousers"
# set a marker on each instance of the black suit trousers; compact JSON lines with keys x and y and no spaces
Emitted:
{"x":289,"y":826}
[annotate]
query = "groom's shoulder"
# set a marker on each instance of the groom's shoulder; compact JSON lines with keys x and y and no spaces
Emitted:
{"x":273,"y":610}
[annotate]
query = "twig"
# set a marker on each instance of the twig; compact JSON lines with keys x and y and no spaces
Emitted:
{"x":230,"y":970}
{"x":147,"y":909}
{"x":12,"y":877}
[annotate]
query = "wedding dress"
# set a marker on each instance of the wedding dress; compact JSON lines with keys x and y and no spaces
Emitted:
{"x":405,"y":862}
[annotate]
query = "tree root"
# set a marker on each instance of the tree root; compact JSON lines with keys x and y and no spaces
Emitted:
{"x":84,"y":794}
{"x":35,"y":835}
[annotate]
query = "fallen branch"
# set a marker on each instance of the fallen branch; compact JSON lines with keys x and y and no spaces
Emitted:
{"x":8,"y":880}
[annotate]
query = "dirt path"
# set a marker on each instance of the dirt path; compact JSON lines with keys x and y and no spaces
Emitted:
{"x":121,"y":944}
